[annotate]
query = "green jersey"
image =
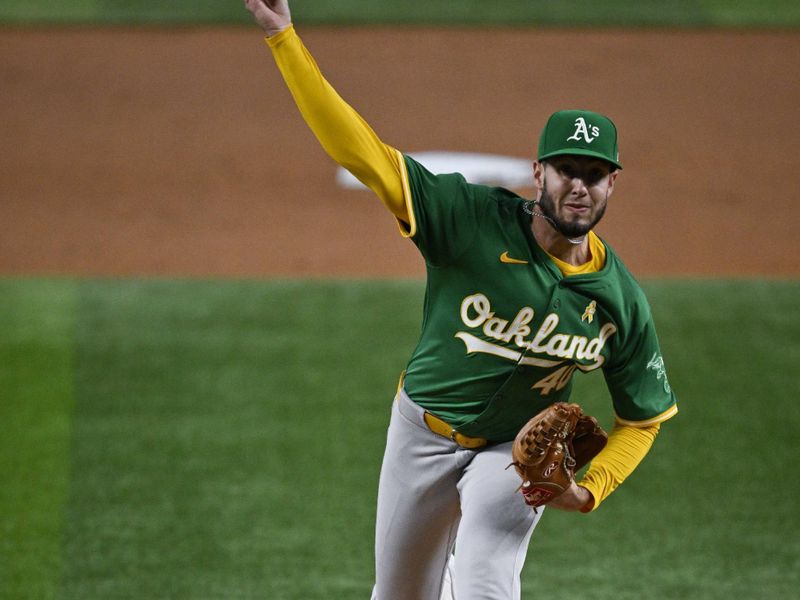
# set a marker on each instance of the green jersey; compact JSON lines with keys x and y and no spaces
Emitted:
{"x":504,"y":330}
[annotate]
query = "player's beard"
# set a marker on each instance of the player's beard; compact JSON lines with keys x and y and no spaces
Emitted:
{"x":566,"y":228}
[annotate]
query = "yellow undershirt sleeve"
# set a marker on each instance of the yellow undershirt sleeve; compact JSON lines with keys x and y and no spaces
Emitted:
{"x":626,"y":447}
{"x":344,"y":135}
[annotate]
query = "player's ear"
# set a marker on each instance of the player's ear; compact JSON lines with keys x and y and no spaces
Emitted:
{"x":612,"y":177}
{"x":538,"y":175}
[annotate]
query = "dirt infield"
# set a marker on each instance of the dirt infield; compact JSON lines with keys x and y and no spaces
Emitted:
{"x":134,"y":152}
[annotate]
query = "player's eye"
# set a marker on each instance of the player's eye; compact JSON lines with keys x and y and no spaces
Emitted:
{"x":567,"y":171}
{"x":595,"y":176}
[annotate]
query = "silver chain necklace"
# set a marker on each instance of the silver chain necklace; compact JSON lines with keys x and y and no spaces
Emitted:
{"x":528,"y":205}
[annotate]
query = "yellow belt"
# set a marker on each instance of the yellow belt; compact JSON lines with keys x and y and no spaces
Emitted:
{"x":436,"y":425}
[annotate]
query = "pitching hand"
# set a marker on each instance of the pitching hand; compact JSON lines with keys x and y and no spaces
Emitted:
{"x":272,"y":15}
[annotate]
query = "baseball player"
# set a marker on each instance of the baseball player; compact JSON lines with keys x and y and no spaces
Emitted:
{"x":521,"y":294}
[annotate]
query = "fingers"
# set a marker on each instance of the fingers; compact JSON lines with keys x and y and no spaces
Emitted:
{"x":272,"y":15}
{"x":254,"y":6}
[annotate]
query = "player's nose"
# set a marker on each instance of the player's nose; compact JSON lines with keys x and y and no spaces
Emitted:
{"x":579,"y":186}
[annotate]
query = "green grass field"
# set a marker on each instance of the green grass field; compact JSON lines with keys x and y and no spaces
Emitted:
{"x":222,"y":439}
{"x":565,"y":13}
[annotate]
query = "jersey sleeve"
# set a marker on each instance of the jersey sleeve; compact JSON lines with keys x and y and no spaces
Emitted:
{"x":341,"y":131}
{"x":636,"y":377}
{"x":444,"y":212}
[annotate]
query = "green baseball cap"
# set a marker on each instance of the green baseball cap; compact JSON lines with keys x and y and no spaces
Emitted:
{"x":579,"y":132}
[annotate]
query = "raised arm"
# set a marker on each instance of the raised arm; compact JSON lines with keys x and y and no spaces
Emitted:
{"x":344,"y":135}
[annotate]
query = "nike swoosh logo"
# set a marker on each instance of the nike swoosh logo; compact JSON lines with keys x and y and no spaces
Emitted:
{"x":505,"y":258}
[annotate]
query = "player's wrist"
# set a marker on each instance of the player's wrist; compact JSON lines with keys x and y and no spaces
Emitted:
{"x":273,"y":31}
{"x":587,"y":499}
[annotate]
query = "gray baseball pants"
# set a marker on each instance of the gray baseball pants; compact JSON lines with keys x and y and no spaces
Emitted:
{"x":434,"y":493}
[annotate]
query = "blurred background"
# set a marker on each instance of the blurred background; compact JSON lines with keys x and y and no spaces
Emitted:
{"x":201,"y":328}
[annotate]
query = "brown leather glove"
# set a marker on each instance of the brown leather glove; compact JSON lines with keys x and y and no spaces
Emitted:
{"x":551,"y":447}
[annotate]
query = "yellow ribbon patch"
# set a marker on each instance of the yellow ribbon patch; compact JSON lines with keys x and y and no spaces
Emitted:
{"x":588,"y":314}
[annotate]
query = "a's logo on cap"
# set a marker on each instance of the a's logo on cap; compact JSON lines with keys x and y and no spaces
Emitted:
{"x":582,"y":129}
